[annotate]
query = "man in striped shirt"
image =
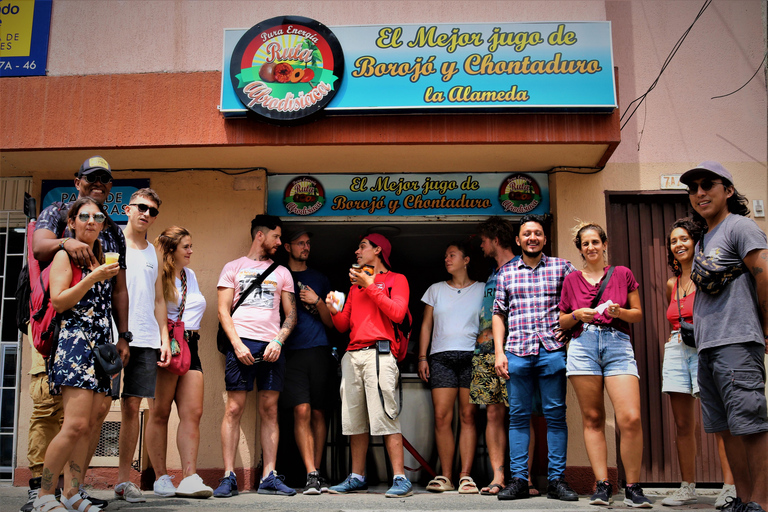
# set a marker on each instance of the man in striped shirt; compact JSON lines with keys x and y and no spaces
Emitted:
{"x":528,"y":348}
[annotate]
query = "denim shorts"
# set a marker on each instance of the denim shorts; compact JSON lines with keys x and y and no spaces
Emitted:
{"x":680,"y":368}
{"x":240,"y":377}
{"x":602,"y":351}
{"x":141,"y":373}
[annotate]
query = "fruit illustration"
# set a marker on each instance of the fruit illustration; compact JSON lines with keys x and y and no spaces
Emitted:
{"x":297,"y":75}
{"x":308,"y":75}
{"x":283,"y":72}
{"x":267,"y":72}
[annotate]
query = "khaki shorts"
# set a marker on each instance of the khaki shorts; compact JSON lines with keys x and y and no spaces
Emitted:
{"x":361,"y":410}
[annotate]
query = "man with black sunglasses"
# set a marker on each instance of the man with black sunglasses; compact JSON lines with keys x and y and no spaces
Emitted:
{"x":94,"y":179}
{"x":730,"y":319}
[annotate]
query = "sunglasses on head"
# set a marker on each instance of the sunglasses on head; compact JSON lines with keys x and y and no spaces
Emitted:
{"x":98,"y":218}
{"x":706,"y":185}
{"x":144,"y":207}
{"x":93,"y":178}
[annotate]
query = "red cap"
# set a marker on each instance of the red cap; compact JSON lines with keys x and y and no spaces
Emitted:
{"x":381,"y":241}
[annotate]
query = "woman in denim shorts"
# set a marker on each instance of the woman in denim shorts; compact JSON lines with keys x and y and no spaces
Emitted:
{"x":451,"y":322}
{"x":681,"y":363}
{"x":601,"y":356}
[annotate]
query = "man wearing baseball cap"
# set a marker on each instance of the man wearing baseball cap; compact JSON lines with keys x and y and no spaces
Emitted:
{"x":730,"y":319}
{"x":309,"y":366}
{"x":369,"y":373}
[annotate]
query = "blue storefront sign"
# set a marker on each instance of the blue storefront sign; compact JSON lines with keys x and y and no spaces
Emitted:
{"x":552,"y":66}
{"x":345,"y":195}
{"x":24,"y":29}
{"x":119,"y":197}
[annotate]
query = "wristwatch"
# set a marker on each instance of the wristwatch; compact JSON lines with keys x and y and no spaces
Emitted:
{"x":127,"y":336}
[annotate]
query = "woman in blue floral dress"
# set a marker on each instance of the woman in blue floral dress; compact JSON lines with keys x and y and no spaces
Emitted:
{"x":85,"y":322}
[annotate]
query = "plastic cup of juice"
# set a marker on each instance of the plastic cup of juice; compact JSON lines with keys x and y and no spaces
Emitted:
{"x":111,"y":257}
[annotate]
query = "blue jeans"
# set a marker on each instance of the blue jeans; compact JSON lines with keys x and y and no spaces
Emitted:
{"x":548,"y":369}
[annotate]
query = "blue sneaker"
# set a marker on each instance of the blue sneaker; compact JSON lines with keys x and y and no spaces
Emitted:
{"x":227,"y":487}
{"x":349,"y":485}
{"x":273,"y":484}
{"x":401,"y":488}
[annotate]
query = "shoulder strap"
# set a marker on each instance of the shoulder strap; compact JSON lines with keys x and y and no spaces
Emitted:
{"x":677,"y":292}
{"x":255,"y":284}
{"x":607,"y":278}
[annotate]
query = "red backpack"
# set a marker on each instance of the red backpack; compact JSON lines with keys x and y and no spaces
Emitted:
{"x":399,"y":347}
{"x":44,"y":322}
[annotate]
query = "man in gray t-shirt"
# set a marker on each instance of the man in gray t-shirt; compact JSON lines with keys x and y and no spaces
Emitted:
{"x":731,"y":328}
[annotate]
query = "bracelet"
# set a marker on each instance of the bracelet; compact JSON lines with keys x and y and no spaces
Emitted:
{"x":63,"y":241}
{"x":574,"y":317}
{"x":422,"y":358}
{"x":278,"y":342}
{"x":318,"y":300}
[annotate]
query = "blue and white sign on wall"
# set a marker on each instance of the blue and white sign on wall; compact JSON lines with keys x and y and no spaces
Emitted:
{"x":336,"y":195}
{"x":551,"y":66}
{"x":24,"y":29}
{"x":64,"y":191}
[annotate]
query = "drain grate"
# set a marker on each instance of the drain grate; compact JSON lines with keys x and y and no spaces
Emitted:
{"x":109,"y":440}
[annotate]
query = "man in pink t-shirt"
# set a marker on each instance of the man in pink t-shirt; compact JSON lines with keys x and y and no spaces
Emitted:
{"x":257,"y":340}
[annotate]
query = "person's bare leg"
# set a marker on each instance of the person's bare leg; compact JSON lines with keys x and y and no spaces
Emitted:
{"x":468,"y":433}
{"x":270,"y":433}
{"x":725,"y":467}
{"x":443,"y":401}
{"x":230,"y":428}
{"x":589,"y":392}
{"x":624,"y":391}
{"x":394,"y":445}
{"x":129,"y":436}
{"x":320,"y":433}
{"x":756,"y":446}
{"x":496,"y":440}
{"x":685,"y":425}
{"x":189,"y":404}
{"x":157,"y":423}
{"x":358,"y":448}
{"x":302,"y":431}
{"x":737,"y":457}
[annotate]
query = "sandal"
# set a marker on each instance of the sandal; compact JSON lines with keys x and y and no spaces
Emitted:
{"x":84,"y":504}
{"x":440,"y":484}
{"x":488,"y":491}
{"x":47,"y":503}
{"x":467,"y":485}
{"x":533,"y":491}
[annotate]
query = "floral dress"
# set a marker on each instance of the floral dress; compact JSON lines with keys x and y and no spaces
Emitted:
{"x":73,"y":363}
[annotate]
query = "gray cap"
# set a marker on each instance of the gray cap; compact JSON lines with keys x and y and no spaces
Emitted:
{"x":708,"y":167}
{"x":293,"y":235}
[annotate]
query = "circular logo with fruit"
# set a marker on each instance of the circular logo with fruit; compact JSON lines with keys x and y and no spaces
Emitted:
{"x":287,"y":69}
{"x":303,"y":196}
{"x":519,"y":194}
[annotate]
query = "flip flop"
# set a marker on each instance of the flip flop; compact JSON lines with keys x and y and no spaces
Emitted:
{"x":467,"y":485}
{"x":440,"y":484}
{"x":486,"y":491}
{"x":533,"y":491}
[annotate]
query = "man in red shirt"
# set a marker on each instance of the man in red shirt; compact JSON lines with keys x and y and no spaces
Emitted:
{"x":369,"y":373}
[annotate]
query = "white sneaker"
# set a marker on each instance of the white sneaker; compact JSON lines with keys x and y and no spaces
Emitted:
{"x":728,"y":491}
{"x":682,"y":496}
{"x":164,"y":486}
{"x":129,"y":492}
{"x":193,"y":487}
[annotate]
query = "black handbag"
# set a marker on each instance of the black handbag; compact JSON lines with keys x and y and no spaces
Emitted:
{"x":686,"y":329}
{"x":106,"y":359}
{"x":223,"y":344}
{"x":710,"y":277}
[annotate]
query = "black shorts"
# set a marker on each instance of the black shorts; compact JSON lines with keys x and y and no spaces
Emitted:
{"x":451,"y":369}
{"x":192,"y":340}
{"x":140,"y":375}
{"x":309,"y":378}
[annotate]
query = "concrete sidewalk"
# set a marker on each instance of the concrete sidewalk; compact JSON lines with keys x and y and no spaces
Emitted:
{"x":12,"y":498}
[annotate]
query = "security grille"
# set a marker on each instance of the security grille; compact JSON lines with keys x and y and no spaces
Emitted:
{"x":109,"y":440}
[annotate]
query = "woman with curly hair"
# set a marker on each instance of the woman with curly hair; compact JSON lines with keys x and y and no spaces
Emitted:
{"x":183,"y":299}
{"x":681,"y":365}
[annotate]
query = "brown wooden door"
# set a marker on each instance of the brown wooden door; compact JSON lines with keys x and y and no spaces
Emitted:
{"x":637,"y":231}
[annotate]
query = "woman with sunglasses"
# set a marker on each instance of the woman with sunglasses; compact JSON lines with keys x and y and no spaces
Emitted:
{"x":85,"y":309}
{"x":681,"y":366}
{"x":451,"y":324}
{"x":601,"y":358}
{"x":180,"y":287}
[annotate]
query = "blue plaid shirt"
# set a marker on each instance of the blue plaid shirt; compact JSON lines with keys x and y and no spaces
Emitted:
{"x":528,"y":298}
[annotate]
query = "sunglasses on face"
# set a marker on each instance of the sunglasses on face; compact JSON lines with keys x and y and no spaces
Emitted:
{"x":98,"y":218}
{"x":93,"y":178}
{"x":144,"y":207}
{"x":706,"y":185}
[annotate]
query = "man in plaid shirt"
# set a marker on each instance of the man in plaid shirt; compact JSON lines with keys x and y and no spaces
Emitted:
{"x":528,"y":347}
